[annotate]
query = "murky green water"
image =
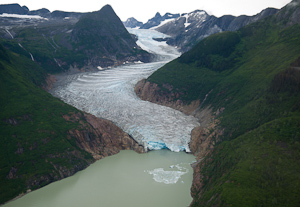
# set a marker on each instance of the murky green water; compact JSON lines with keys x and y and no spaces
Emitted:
{"x":157,"y":179}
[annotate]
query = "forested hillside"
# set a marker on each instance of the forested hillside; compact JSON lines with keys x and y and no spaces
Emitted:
{"x":250,"y":82}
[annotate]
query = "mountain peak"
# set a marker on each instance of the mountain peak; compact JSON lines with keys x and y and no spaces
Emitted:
{"x":132,"y":23}
{"x":13,"y":9}
{"x":157,"y":15}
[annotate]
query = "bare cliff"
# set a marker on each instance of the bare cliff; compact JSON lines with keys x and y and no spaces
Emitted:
{"x":100,"y":137}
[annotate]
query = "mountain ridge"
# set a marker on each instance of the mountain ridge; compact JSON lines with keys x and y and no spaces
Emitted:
{"x":243,"y":87}
{"x":42,"y":138}
{"x":190,"y":28}
{"x":186,"y":29}
{"x":68,"y":40}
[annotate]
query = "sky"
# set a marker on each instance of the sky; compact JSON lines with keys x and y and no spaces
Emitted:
{"x":144,"y":10}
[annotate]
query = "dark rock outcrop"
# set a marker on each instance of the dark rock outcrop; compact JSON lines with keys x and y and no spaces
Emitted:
{"x":99,"y":137}
{"x":13,"y":9}
{"x":102,"y":37}
{"x":63,"y":40}
{"x":189,"y":29}
{"x":132,"y":23}
{"x":157,"y":19}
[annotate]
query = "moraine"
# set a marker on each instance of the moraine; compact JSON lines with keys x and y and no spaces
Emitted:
{"x":110,"y":94}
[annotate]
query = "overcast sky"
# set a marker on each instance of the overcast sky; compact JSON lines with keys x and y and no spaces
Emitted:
{"x":144,"y":10}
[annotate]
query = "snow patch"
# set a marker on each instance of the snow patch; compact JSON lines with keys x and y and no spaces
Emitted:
{"x":22,"y":16}
{"x":162,"y":23}
{"x":138,"y":62}
{"x":12,"y":37}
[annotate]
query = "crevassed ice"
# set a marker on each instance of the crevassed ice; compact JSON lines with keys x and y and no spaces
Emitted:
{"x":110,"y":94}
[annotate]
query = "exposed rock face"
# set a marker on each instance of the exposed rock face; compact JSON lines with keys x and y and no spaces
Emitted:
{"x":203,"y":138}
{"x":50,"y":80}
{"x":132,"y":23}
{"x":13,"y":9}
{"x":101,"y":138}
{"x":189,"y":29}
{"x":98,"y":137}
{"x":152,"y":92}
{"x":102,"y":37}
{"x":79,"y":40}
{"x":290,"y":14}
{"x":157,"y":19}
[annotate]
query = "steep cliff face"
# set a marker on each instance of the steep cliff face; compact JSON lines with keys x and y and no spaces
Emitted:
{"x":99,"y":137}
{"x":43,"y":139}
{"x":103,"y":39}
{"x":63,"y":40}
{"x":93,"y":139}
{"x":166,"y":96}
{"x":188,"y":29}
{"x":202,"y":137}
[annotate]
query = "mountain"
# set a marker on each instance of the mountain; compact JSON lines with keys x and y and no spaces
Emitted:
{"x":158,"y":19}
{"x":190,"y":28}
{"x":13,"y":9}
{"x":103,"y":38}
{"x":132,"y":23}
{"x":243,"y":86}
{"x":17,"y":9}
{"x":42,"y":138}
{"x":63,"y":40}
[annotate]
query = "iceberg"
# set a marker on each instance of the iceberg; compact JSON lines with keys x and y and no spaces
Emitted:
{"x":168,"y":176}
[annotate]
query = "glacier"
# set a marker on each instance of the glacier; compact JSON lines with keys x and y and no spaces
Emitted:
{"x":109,"y":94}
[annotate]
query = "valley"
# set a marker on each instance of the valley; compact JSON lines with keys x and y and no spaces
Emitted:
{"x":79,"y":87}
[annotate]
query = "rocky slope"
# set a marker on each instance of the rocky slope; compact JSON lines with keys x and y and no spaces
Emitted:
{"x":132,"y":23}
{"x":188,"y":29}
{"x":42,"y":138}
{"x":102,"y":37}
{"x":13,"y":9}
{"x":63,"y":40}
{"x":158,"y":19}
{"x":244,"y":91}
{"x":99,"y":137}
{"x":17,"y":9}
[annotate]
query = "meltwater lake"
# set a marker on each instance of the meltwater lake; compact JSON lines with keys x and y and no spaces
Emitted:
{"x":156,"y":179}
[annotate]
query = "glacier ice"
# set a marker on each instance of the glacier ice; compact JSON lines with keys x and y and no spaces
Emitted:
{"x":110,"y":94}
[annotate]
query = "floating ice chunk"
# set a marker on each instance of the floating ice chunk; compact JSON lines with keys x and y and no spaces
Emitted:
{"x":168,"y":177}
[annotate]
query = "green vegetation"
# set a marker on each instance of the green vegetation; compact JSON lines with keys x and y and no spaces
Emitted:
{"x":36,"y":147}
{"x":98,"y":38}
{"x":33,"y":131}
{"x":244,"y":87}
{"x":254,"y":74}
{"x":259,"y":168}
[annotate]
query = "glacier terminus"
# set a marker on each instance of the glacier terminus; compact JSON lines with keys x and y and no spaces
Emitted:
{"x":109,"y":94}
